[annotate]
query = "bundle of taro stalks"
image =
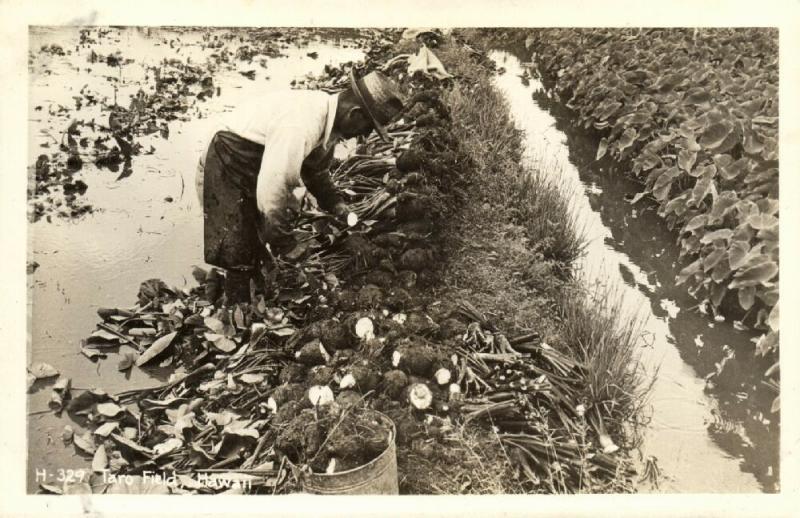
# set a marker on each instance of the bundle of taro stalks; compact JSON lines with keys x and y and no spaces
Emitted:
{"x":342,"y":322}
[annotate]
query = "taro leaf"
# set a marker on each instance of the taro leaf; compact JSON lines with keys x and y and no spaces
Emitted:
{"x":126,"y":362}
{"x":755,"y":275}
{"x":686,"y":160}
{"x":711,"y":260}
{"x":734,"y":169}
{"x":697,"y":95}
{"x":157,"y":348}
{"x":776,"y":405}
{"x":737,"y":254}
{"x":701,"y":189}
{"x":722,"y":205}
{"x":607,"y":109}
{"x":710,"y":237}
{"x":42,"y":370}
{"x":103,"y":335}
{"x":214,"y":324}
{"x":649,"y":160}
{"x":718,"y":292}
{"x":664,"y":183}
{"x":85,"y":443}
{"x":689,"y":271}
{"x":167,"y":446}
{"x":762,"y":221}
{"x":138,"y":485}
{"x":628,"y":137}
{"x":100,"y":460}
{"x":85,"y":400}
{"x":131,"y":446}
{"x":51,"y":488}
{"x":637,"y":197}
{"x":696,"y":222}
{"x":747,"y":296}
{"x":162,"y":403}
{"x":720,"y":272}
{"x":92,"y":354}
{"x":773,"y":321}
{"x":668,"y":82}
{"x":251,"y":378}
{"x":282,"y":331}
{"x":106,"y":428}
{"x":768,"y":206}
{"x":151,"y":289}
{"x":602,"y":147}
{"x":715,"y":134}
{"x":109,"y":409}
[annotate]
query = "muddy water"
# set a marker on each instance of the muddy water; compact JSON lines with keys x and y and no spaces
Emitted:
{"x":137,"y":233}
{"x":704,"y":441}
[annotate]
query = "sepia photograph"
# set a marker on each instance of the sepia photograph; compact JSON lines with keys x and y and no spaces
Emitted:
{"x":401,"y":260}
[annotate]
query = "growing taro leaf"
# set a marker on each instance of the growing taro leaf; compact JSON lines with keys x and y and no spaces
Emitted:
{"x":607,"y":109}
{"x":718,"y":292}
{"x":722,"y":206}
{"x":755,"y":275}
{"x":669,"y":82}
{"x":723,"y":234}
{"x":703,"y":170}
{"x":720,"y":272}
{"x":737,"y":254}
{"x":762,"y":221}
{"x":602,"y":147}
{"x":712,"y":259}
{"x":697,"y":95}
{"x":696,"y":222}
{"x":156,"y":348}
{"x":773,"y":321}
{"x":689,"y":271}
{"x":715,"y":134}
{"x":628,"y":137}
{"x":686,"y":159}
{"x":747,"y":297}
{"x":663,"y":184}
{"x":753,"y":143}
{"x":701,"y":189}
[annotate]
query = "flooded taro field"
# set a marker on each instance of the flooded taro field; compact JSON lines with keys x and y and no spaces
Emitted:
{"x":707,"y":434}
{"x":100,"y":231}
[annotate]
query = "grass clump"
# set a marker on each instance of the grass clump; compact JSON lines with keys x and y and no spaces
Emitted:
{"x":508,"y":251}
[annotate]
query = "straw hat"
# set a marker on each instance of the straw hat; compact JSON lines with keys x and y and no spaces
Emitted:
{"x":380,"y":97}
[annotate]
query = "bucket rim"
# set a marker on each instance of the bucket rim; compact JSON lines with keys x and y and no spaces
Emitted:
{"x":386,"y":451}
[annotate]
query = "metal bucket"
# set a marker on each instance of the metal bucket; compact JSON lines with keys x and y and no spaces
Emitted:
{"x":377,"y":477}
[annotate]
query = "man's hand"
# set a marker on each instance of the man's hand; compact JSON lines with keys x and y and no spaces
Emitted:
{"x":341,"y":210}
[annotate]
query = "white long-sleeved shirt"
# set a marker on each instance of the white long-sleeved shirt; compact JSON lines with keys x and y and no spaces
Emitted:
{"x":290,"y":125}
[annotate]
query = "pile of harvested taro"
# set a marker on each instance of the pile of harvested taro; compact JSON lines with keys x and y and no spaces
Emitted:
{"x":347,"y":321}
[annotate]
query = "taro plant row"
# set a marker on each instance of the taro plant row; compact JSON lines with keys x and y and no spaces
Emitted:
{"x":694,"y":114}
